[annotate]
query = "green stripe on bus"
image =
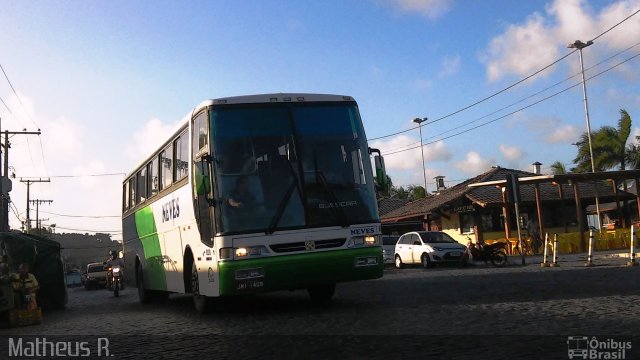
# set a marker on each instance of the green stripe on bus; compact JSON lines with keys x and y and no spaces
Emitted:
{"x":147,"y":231}
{"x":303,"y":270}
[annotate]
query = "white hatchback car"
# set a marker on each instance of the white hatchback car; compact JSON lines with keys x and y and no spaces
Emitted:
{"x":427,"y":248}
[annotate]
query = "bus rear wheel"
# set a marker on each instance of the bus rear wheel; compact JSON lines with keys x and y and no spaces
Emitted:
{"x":322,"y":293}
{"x":201,"y":303}
{"x":144,"y":295}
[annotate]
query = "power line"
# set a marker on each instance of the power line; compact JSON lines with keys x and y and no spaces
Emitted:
{"x":18,"y":97}
{"x":518,"y":110}
{"x":82,"y":216}
{"x":84,"y":175}
{"x":519,"y":101}
{"x":611,"y":28}
{"x":508,"y":87}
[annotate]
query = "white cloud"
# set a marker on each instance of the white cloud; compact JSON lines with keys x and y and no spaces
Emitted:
{"x":431,"y":9}
{"x":524,"y":48}
{"x":450,"y":66}
{"x":521,"y":49}
{"x":562,"y":135}
{"x":511,"y":153}
{"x":475,"y":163}
{"x":149,"y":138}
{"x":410,"y":159}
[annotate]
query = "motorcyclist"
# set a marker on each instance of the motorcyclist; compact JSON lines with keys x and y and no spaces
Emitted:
{"x":113,"y":260}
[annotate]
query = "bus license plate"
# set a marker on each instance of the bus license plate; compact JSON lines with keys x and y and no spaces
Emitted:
{"x":250,"y":284}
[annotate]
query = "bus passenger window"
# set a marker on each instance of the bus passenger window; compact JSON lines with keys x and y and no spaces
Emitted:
{"x":166,"y":160}
{"x":132,"y":191}
{"x":125,"y":196}
{"x":141,"y":186}
{"x":181,"y":157}
{"x":154,"y":180}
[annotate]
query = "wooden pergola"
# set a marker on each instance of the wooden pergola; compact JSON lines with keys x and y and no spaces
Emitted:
{"x":573,"y":179}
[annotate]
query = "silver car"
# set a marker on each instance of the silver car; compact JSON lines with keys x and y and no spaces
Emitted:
{"x":427,"y":248}
{"x":389,"y":248}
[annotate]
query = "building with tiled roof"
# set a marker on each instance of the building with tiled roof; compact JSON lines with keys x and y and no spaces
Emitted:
{"x":462,"y":209}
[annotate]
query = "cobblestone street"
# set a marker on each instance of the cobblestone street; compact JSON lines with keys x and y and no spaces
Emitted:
{"x":476,"y":300}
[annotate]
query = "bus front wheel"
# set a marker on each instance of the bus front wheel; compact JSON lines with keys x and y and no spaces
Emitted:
{"x":201,"y":303}
{"x":322,"y":293}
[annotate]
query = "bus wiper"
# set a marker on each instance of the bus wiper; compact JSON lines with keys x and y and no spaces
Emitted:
{"x":283,"y":203}
{"x":342,"y":217}
{"x":280,"y":210}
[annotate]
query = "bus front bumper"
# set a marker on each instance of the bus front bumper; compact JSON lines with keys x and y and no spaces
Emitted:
{"x":289,"y":272}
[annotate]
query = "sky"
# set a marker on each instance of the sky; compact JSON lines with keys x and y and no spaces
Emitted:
{"x":105,"y":82}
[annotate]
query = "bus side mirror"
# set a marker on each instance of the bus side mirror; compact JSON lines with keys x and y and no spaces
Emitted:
{"x":381,"y":172}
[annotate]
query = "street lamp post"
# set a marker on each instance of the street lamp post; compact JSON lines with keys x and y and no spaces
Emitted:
{"x":580,"y":45}
{"x":424,"y":171}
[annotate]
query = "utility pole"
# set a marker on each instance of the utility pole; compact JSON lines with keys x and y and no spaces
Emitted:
{"x":5,"y":183}
{"x":29,"y":182}
{"x":38,"y":202}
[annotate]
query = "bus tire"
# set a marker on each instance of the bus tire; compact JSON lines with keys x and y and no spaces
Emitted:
{"x":322,"y":293}
{"x":144,"y":295}
{"x":201,"y":303}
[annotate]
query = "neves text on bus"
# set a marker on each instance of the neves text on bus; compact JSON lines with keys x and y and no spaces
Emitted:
{"x":251,"y":194}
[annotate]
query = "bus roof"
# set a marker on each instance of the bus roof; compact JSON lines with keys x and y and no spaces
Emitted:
{"x":270,"y":98}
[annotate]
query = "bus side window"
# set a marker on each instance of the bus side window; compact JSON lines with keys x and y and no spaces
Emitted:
{"x":125,"y":196}
{"x":181,"y":162}
{"x":132,"y":191}
{"x":200,"y":133}
{"x":166,"y":160}
{"x":141,"y":185}
{"x":154,"y":178}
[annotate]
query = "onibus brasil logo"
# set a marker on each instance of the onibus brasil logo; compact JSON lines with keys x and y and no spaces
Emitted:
{"x":582,"y":347}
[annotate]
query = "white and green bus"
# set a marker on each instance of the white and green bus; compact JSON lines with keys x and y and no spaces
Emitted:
{"x":253,"y":194}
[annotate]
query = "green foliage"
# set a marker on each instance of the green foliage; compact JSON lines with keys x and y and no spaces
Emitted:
{"x":609,"y":146}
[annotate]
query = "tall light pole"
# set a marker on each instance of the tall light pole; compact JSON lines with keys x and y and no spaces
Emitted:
{"x":424,"y":171}
{"x":580,"y":45}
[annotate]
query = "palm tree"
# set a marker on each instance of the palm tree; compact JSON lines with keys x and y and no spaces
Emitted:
{"x":558,"y":168}
{"x":609,"y":147}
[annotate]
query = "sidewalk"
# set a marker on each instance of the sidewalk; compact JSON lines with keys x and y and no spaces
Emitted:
{"x":608,"y":256}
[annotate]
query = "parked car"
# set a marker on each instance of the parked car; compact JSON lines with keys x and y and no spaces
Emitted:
{"x":427,"y":248}
{"x":96,"y":276}
{"x":389,"y":248}
{"x":74,"y":278}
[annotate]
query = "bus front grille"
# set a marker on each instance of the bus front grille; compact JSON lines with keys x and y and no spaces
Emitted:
{"x":302,"y":246}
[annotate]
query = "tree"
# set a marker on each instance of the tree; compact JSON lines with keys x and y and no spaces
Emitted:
{"x":609,"y":147}
{"x":415,"y":192}
{"x":558,"y":168}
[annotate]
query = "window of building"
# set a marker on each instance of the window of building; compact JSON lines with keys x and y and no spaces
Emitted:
{"x":466,"y":223}
{"x":182,"y":156}
{"x":166,"y":162}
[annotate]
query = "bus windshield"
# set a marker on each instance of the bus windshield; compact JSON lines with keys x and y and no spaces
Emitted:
{"x":293,"y":165}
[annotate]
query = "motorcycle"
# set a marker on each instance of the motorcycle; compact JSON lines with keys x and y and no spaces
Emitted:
{"x":115,"y":280}
{"x":495,"y":253}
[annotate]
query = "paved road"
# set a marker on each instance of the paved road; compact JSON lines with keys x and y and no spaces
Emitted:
{"x":412,"y":302}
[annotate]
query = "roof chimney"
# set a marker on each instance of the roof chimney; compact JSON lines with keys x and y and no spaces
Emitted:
{"x":536,"y":168}
{"x":440,"y":183}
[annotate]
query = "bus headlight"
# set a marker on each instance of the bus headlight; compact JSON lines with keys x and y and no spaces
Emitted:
{"x":368,"y":240}
{"x":242,"y":252}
